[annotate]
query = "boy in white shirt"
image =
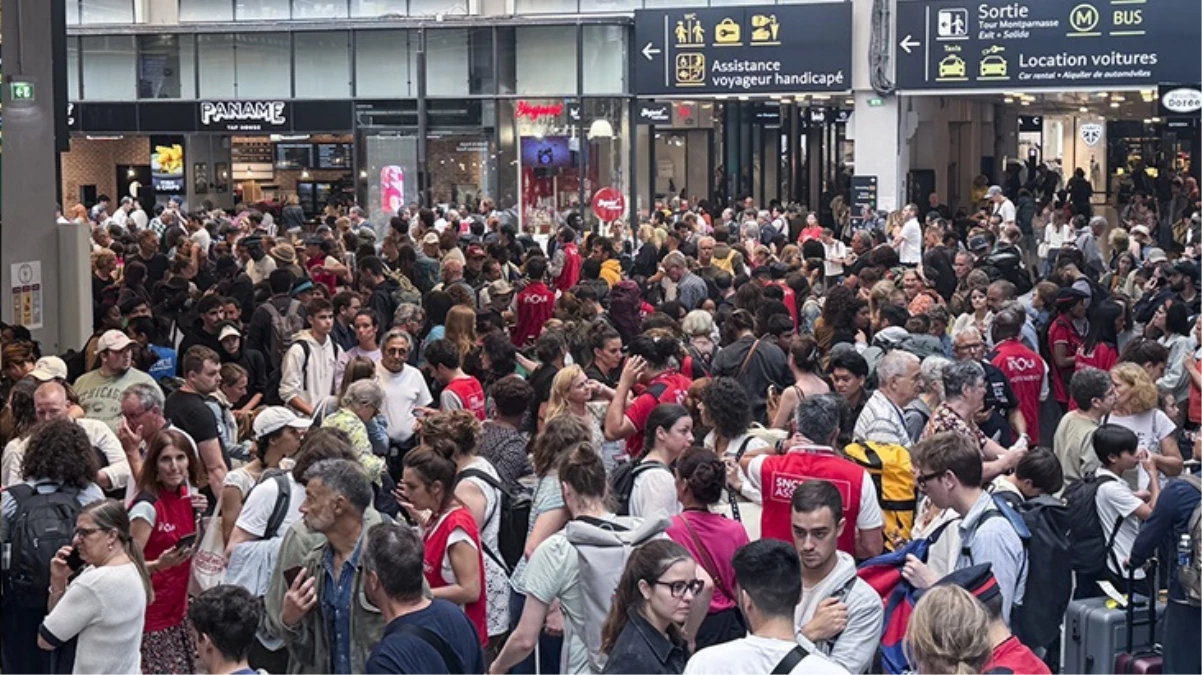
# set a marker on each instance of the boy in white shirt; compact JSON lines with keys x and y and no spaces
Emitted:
{"x":1117,"y":449}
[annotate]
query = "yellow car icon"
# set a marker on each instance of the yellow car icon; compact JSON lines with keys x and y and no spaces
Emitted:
{"x":952,"y":66}
{"x":993,"y":66}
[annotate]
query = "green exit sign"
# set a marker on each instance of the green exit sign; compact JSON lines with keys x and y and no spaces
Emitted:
{"x":876,"y":102}
{"x":21,"y":91}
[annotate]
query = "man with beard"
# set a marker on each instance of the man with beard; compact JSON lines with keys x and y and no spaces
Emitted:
{"x":838,"y":612}
{"x":100,"y":391}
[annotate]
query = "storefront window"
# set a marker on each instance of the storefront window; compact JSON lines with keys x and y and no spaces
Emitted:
{"x":166,"y":66}
{"x":318,"y":9}
{"x":107,"y":11}
{"x":323,"y":67}
{"x":383,"y":68}
{"x":447,"y":62}
{"x":263,"y":65}
{"x":216,"y":58}
{"x":109,"y":71}
{"x":391,"y":167}
{"x":610,"y":5}
{"x":72,"y":69}
{"x":461,"y":167}
{"x":606,"y":149}
{"x":374,"y":8}
{"x":262,"y":9}
{"x":206,"y":10}
{"x":432,"y":7}
{"x":545,"y":6}
{"x":72,"y":12}
{"x":604,"y":59}
{"x":545,"y":60}
{"x":668,"y":4}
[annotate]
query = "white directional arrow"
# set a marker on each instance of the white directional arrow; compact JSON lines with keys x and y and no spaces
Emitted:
{"x":649,"y":50}
{"x":908,"y":43}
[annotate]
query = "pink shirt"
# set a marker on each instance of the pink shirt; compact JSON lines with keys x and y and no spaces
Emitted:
{"x":721,"y":537}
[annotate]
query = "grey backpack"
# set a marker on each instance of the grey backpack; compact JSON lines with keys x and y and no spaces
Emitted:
{"x":602,"y":548}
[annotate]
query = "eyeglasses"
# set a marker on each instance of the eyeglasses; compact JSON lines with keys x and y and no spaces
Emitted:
{"x":678,"y":588}
{"x":922,"y":480}
{"x":971,"y":347}
{"x":85,"y":532}
{"x":397,"y":352}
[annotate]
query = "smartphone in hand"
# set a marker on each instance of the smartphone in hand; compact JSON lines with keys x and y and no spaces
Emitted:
{"x":75,"y":561}
{"x":290,"y":575}
{"x":185,"y":542}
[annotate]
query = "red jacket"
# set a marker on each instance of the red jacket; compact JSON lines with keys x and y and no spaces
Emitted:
{"x":535,"y":304}
{"x":781,"y":474}
{"x":174,"y":519}
{"x":570,"y":274}
{"x":1024,"y":370}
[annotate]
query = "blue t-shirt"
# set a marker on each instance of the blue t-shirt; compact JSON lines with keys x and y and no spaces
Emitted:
{"x":165,"y":366}
{"x":399,"y":652}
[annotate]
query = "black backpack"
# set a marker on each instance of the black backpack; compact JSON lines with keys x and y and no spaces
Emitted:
{"x":515,"y":504}
{"x":1090,"y":548}
{"x":1037,"y":620}
{"x":622,"y":482}
{"x":283,"y":500}
{"x":41,"y":525}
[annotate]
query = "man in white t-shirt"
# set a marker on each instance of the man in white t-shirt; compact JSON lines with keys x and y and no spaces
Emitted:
{"x":1002,"y":206}
{"x":405,"y":389}
{"x":908,"y":240}
{"x":836,"y":252}
{"x":257,"y":510}
{"x":768,"y":576}
{"x":1116,"y":447}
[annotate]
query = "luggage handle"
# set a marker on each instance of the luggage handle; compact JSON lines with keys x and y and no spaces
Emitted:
{"x":1153,"y":564}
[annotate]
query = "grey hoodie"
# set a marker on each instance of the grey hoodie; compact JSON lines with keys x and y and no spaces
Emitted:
{"x":855,"y":647}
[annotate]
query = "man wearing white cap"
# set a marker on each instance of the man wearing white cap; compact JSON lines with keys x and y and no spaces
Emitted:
{"x":277,"y":433}
{"x":100,"y":391}
{"x":1002,"y":206}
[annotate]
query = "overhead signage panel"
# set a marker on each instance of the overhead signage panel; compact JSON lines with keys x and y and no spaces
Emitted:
{"x":771,"y":49}
{"x":1046,"y":44}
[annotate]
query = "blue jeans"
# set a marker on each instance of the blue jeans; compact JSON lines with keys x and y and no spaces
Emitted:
{"x":548,"y":649}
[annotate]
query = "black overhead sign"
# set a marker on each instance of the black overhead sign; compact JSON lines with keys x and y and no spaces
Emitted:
{"x":1046,"y":44}
{"x":743,"y":50}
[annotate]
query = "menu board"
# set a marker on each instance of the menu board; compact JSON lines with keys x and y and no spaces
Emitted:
{"x":863,"y":200}
{"x":334,"y":155}
{"x":251,"y":153}
{"x":292,"y":156}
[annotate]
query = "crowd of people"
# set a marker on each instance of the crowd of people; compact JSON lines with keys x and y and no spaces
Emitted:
{"x":447,"y":444}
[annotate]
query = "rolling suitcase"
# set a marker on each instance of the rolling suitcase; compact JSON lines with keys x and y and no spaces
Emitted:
{"x":1095,"y":632}
{"x":1148,"y":659}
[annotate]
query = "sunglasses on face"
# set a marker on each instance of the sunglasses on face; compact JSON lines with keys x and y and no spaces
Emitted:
{"x":922,"y":480}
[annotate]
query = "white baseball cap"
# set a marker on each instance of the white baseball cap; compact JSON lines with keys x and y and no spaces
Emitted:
{"x":227,"y":332}
{"x":113,"y":340}
{"x":49,"y":368}
{"x":273,"y":418}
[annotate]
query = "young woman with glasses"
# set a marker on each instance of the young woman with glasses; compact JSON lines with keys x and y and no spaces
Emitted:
{"x":642,"y":633}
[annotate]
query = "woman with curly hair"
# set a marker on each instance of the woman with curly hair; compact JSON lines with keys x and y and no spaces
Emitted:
{"x":725,"y":409}
{"x":163,"y":513}
{"x":1137,"y":408}
{"x":711,"y":538}
{"x":59,"y":458}
{"x":834,"y":325}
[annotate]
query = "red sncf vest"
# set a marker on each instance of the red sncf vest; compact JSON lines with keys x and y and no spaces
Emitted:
{"x":470,"y":392}
{"x":782,"y":474}
{"x":436,"y":548}
{"x":571,"y":268}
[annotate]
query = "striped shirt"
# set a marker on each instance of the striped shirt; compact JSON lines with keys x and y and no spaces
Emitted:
{"x":882,"y":421}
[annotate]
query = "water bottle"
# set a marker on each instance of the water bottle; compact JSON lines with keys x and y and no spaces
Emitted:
{"x":1185,"y":547}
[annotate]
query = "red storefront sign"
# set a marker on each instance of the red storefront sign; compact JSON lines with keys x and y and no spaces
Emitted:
{"x":609,"y":204}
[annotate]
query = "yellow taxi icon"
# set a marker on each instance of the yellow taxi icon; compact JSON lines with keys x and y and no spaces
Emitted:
{"x":993,"y":66}
{"x":952,"y":66}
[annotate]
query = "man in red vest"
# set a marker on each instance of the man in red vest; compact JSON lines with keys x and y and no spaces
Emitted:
{"x":534,"y":304}
{"x":460,"y":391}
{"x":1024,"y":369}
{"x":565,"y":265}
{"x":809,"y":456}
